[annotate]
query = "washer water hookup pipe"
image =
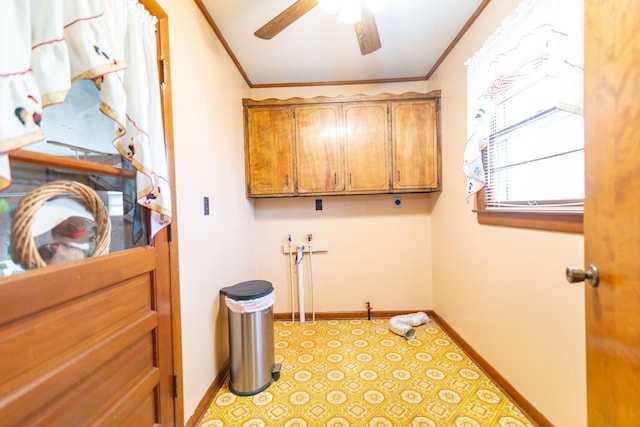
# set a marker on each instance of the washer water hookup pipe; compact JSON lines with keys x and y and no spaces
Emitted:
{"x":299,"y":256}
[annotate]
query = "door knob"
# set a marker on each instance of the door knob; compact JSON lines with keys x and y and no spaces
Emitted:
{"x":575,"y":275}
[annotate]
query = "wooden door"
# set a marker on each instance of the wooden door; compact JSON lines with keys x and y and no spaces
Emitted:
{"x":366,"y":130}
{"x":269,"y":148}
{"x":612,"y":211}
{"x":319,"y":158}
{"x":81,"y":344}
{"x":415,"y":145}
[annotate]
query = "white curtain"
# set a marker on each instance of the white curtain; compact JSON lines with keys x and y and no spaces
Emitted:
{"x":542,"y":35}
{"x":48,"y":44}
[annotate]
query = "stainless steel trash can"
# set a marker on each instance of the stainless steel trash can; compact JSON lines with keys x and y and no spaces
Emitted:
{"x":250,"y":308}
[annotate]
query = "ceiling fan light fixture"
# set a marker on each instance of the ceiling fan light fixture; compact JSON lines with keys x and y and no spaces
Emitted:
{"x":350,"y":11}
{"x":330,"y":6}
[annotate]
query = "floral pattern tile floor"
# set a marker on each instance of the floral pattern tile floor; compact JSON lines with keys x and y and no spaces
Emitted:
{"x":359,"y":373}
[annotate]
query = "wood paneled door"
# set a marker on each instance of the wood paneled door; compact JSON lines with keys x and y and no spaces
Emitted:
{"x":366,"y":138}
{"x":415,"y":145}
{"x":319,"y":154}
{"x":612,"y":210}
{"x":269,"y":151}
{"x":96,"y":341}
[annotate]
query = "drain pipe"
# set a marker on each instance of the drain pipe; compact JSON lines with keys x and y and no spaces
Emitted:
{"x":402,"y":324}
{"x":299,"y":256}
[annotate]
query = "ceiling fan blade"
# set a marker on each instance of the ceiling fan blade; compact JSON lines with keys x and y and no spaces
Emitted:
{"x":285,"y":18}
{"x":367,"y":32}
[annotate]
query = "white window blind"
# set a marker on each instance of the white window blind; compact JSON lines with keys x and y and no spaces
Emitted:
{"x":535,"y":153}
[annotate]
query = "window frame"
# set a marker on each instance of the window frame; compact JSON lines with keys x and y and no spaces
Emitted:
{"x":561,"y":221}
{"x":546,"y":220}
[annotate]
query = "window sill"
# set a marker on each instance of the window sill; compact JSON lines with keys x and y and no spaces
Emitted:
{"x":564,"y":222}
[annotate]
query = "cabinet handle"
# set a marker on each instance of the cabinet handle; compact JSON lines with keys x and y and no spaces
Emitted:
{"x":349,"y":178}
{"x":335,"y":178}
{"x":398,"y":175}
{"x":287,"y":180}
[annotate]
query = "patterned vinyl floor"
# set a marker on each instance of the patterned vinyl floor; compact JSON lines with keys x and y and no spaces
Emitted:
{"x":358,"y":373}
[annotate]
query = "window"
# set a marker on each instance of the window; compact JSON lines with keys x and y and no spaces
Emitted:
{"x":535,"y":153}
{"x":114,"y":186}
{"x":525,"y":155}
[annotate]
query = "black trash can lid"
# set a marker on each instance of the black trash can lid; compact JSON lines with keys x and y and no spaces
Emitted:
{"x":248,"y":290}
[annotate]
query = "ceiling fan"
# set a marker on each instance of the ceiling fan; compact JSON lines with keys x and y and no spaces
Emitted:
{"x":365,"y":27}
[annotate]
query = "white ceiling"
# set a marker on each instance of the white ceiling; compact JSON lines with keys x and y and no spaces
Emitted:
{"x":317,"y":48}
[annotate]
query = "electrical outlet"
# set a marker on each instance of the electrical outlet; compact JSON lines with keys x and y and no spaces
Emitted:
{"x":318,"y":204}
{"x":206,"y":205}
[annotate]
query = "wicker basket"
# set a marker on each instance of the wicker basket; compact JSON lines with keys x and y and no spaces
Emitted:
{"x":25,"y":251}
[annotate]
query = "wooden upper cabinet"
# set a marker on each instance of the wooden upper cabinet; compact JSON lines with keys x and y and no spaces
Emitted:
{"x":415,"y":145}
{"x":269,"y":151}
{"x":346,"y":145}
{"x":366,"y":133}
{"x":319,"y":157}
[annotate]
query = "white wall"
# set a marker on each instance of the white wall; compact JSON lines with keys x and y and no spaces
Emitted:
{"x":376,"y":253}
{"x":503,"y":289}
{"x":216,"y":250}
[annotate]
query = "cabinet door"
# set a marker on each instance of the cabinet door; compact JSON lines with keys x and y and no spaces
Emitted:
{"x":319,"y":158}
{"x":415,"y":146}
{"x":269,"y":147}
{"x":366,"y":147}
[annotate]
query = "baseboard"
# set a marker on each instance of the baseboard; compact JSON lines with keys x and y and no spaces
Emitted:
{"x":523,"y":404}
{"x":341,"y":315}
{"x":207,"y":399}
